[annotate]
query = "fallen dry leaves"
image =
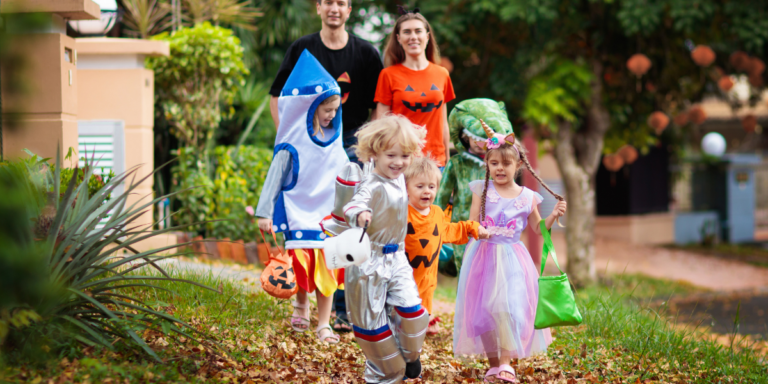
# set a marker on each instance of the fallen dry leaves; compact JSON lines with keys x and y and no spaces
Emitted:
{"x":268,"y":351}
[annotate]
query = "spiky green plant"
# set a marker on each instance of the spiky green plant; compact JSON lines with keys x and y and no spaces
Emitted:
{"x":90,"y":253}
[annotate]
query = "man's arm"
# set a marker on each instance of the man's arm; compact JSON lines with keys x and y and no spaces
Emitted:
{"x":273,"y":111}
{"x":286,"y":67}
{"x":374,"y":69}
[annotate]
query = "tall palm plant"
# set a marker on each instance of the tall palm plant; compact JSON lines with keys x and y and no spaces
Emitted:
{"x":145,"y":18}
{"x":89,"y":250}
{"x":234,"y":13}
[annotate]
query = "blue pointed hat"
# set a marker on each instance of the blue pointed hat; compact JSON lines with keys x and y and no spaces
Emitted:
{"x":308,"y":77}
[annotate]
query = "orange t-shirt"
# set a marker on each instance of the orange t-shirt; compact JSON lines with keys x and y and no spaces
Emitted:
{"x":423,"y":241}
{"x":419,"y":96}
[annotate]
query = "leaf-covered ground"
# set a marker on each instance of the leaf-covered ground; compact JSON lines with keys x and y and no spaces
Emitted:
{"x":253,"y":343}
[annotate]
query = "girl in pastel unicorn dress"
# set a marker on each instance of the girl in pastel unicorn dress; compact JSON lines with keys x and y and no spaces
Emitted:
{"x":498,"y":283}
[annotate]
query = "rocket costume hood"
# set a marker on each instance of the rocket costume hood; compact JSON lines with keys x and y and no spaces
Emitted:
{"x":307,"y":195}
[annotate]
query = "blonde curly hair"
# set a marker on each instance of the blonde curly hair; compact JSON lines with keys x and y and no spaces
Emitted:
{"x":382,"y":134}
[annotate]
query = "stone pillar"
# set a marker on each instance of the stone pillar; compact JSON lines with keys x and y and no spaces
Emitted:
{"x":114,"y":85}
{"x":43,"y":116}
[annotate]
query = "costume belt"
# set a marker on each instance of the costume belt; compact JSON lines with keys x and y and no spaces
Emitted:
{"x":387,"y":248}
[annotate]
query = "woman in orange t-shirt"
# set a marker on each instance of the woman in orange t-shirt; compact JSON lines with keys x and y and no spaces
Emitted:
{"x":412,"y":85}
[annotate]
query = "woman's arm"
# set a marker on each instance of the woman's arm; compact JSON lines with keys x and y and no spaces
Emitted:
{"x":446,"y":134}
{"x":381,"y":110}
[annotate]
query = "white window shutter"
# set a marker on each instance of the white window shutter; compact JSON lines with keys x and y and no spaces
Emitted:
{"x":103,"y":142}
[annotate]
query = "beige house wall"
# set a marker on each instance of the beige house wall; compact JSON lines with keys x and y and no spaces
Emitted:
{"x":46,"y":112}
{"x":128,"y":95}
{"x":113,"y":85}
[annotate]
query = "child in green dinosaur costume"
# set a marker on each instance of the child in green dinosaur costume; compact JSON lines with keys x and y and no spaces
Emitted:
{"x":468,"y":165}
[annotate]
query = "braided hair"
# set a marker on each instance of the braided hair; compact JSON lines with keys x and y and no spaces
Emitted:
{"x":517,"y":150}
{"x":485,"y":191}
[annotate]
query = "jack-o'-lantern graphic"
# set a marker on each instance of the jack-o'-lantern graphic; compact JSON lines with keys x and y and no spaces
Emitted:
{"x":285,"y":278}
{"x":427,"y":241}
{"x":278,"y":278}
{"x":423,"y":100}
{"x":345,"y":83}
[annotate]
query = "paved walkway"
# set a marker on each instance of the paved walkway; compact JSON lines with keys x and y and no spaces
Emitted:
{"x":612,"y":256}
{"x":230,"y":271}
{"x":705,"y":271}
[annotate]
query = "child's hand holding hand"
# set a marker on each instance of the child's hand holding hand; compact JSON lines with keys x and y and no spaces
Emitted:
{"x":559,"y":210}
{"x":482,"y":233}
{"x":362,"y":218}
{"x":265,"y":224}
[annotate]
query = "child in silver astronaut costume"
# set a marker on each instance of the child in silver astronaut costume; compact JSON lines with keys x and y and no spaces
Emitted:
{"x":382,"y":298}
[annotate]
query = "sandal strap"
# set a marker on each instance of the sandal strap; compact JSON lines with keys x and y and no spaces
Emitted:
{"x":297,"y":305}
{"x":435,"y":320}
{"x":507,"y":368}
{"x":328,"y":327}
{"x":492,"y":372}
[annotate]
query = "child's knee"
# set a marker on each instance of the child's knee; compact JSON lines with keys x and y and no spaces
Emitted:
{"x":411,"y":326}
{"x":381,"y":351}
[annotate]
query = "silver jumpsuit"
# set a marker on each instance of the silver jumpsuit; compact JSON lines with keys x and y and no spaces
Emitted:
{"x":382,"y":298}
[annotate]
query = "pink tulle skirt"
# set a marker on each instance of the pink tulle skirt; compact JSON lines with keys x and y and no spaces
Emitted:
{"x":496,"y":303}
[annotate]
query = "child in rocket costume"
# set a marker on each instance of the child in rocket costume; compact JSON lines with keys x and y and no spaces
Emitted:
{"x":382,"y":298}
{"x":299,"y":188}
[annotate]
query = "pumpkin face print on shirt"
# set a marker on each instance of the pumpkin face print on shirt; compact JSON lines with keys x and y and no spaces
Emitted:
{"x":429,"y":242}
{"x":421,"y":97}
{"x":422,"y":101}
{"x":345,"y":83}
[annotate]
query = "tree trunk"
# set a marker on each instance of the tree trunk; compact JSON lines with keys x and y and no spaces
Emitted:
{"x":578,"y":157}
{"x":580,"y":220}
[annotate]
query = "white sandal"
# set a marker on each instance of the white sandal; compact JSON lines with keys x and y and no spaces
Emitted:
{"x":298,"y":323}
{"x":334,"y":338}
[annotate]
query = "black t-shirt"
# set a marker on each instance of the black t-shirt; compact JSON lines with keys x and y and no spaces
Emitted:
{"x":355,"y":67}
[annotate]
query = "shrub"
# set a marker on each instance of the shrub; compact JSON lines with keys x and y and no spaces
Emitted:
{"x":85,"y":244}
{"x":202,"y":73}
{"x":239,"y":177}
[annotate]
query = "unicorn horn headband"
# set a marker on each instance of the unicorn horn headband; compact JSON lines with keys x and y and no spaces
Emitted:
{"x":495,"y":140}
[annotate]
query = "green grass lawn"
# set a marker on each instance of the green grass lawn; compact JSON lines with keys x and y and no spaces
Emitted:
{"x":622,"y":340}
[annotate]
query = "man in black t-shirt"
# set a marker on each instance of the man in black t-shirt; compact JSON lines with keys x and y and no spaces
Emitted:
{"x":352,"y":61}
{"x":355,"y":64}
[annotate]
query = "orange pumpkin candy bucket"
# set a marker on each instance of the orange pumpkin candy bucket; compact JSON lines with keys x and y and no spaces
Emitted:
{"x":278,"y":278}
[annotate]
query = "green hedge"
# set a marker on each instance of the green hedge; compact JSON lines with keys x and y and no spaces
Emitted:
{"x":236,"y":184}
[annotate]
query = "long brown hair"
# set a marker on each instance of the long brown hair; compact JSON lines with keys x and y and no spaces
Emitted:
{"x":506,"y":151}
{"x":395,"y":54}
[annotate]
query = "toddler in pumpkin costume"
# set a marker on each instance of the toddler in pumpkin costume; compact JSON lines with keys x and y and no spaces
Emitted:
{"x":428,"y":229}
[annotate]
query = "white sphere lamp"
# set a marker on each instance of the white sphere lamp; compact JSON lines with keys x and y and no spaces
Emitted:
{"x":109,"y":16}
{"x":713,"y":144}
